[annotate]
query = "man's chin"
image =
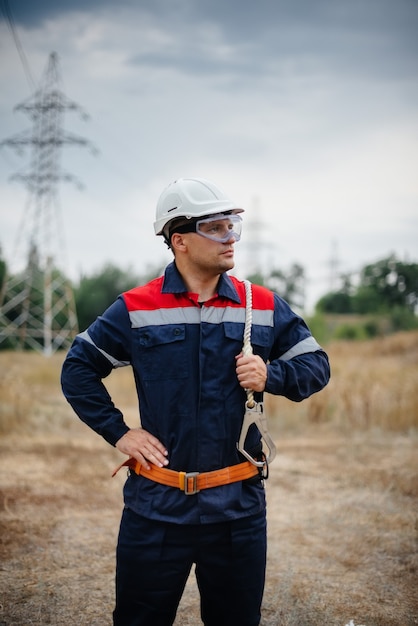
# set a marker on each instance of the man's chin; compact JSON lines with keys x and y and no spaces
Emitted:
{"x":229,"y":265}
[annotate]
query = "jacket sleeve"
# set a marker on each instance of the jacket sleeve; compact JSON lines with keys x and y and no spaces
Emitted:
{"x":298,"y":366}
{"x":94,"y":353}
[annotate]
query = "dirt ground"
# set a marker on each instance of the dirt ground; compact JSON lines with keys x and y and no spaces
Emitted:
{"x":343,"y":531}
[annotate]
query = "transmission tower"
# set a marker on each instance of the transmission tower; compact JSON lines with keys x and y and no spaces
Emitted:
{"x":334,"y":265}
{"x":37,"y":309}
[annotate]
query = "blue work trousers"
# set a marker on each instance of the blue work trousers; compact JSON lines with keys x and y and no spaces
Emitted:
{"x":154,"y":560}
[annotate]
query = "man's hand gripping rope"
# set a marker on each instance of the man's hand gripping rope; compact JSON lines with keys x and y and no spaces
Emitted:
{"x":252,"y":375}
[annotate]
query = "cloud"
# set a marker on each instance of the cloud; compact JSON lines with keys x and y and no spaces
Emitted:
{"x":305,"y":110}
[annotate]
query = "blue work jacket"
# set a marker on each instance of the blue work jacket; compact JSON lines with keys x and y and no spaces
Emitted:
{"x":182,"y":355}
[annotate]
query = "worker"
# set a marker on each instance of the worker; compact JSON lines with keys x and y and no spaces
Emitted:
{"x":191,"y":498}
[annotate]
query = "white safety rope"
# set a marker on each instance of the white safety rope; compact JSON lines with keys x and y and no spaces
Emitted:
{"x":247,"y":348}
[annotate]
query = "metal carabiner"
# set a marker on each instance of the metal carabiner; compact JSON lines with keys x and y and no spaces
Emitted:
{"x":255,"y":415}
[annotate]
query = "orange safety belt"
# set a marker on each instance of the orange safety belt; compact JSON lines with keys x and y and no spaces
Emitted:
{"x":193,"y":482}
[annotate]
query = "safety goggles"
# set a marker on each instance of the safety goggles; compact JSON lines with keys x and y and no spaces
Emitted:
{"x":218,"y":228}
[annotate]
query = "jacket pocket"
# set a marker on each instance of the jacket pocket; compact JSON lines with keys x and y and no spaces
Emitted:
{"x":261,"y":337}
{"x":160,"y":352}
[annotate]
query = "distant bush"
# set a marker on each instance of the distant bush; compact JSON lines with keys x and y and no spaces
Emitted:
{"x":403,"y":319}
{"x":329,"y":327}
{"x":319,"y":327}
{"x":351,"y":332}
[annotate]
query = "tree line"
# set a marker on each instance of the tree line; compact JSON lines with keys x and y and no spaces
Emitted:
{"x":385,"y":292}
{"x":387,"y":289}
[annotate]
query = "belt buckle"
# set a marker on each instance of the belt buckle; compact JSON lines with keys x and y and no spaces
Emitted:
{"x":193,"y":476}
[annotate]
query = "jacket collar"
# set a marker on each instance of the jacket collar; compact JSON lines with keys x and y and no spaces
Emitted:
{"x":173,"y":283}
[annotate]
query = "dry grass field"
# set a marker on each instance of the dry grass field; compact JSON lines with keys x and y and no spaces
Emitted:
{"x":342,"y":497}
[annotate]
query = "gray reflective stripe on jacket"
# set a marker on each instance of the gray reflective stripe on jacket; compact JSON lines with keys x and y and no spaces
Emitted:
{"x":193,"y":315}
{"x":303,"y":347}
{"x":84,"y":335}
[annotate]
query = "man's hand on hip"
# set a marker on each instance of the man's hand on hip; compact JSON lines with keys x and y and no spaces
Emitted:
{"x":143,"y":447}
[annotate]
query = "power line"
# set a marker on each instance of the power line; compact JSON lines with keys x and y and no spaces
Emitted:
{"x":10,"y":22}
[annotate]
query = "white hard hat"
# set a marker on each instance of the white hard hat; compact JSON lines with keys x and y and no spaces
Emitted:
{"x":190,"y":198}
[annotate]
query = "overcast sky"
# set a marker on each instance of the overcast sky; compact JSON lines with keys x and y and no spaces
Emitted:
{"x":305,"y":112}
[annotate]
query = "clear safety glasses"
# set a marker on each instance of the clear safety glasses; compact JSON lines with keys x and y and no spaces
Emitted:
{"x":220,"y":227}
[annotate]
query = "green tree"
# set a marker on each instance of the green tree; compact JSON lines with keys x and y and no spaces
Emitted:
{"x":383,"y":287}
{"x":340,"y":301}
{"x":3,"y":269}
{"x":96,"y":293}
{"x":390,"y":283}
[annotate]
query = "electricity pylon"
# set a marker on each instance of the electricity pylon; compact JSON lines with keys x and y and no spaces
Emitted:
{"x":37,"y":309}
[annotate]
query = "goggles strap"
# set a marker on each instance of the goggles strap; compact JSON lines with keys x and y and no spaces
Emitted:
{"x":184,"y":228}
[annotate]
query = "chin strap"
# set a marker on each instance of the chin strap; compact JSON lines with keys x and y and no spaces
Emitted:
{"x":254,"y":411}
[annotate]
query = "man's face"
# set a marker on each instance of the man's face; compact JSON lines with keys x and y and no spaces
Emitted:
{"x":208,"y":255}
{"x":210,"y":242}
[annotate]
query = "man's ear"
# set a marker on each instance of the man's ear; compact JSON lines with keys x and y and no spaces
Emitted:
{"x":178,"y":242}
